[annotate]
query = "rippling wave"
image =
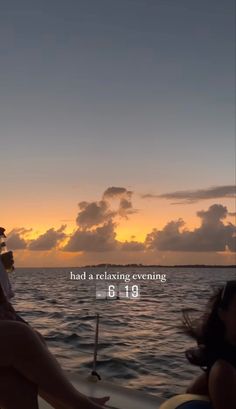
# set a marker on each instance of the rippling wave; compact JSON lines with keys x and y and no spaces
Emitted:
{"x":140,"y":343}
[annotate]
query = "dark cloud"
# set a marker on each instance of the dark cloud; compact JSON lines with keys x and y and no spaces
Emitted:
{"x":126,"y":208}
{"x":192,"y":196}
{"x":94,"y":213}
{"x":16,"y":240}
{"x":132,"y":246}
{"x":96,"y":222}
{"x":97,"y":240}
{"x":96,"y":231}
{"x":213,"y":216}
{"x":125,"y":204}
{"x":113,"y":191}
{"x":48,"y":240}
{"x":212,"y":235}
{"x":125,"y":196}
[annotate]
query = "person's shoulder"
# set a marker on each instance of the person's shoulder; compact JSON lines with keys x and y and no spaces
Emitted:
{"x":222,"y":385}
{"x":223,"y":370}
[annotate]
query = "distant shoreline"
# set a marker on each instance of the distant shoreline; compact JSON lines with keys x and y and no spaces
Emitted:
{"x":145,"y":266}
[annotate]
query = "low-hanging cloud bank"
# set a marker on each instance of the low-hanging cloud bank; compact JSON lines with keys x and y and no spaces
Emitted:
{"x":16,"y":238}
{"x":49,"y":240}
{"x":99,"y":239}
{"x":212,"y":235}
{"x":96,"y":224}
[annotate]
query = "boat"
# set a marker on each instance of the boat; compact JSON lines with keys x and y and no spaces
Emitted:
{"x":127,"y":398}
{"x":124,"y":397}
{"x":187,"y":401}
{"x":120,"y":397}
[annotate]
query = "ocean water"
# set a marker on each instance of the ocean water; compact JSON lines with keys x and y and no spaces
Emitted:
{"x":140,"y":342}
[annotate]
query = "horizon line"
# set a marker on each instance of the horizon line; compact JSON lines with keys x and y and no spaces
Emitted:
{"x":136,"y":265}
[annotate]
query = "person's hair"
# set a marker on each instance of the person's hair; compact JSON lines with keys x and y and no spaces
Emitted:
{"x":209,"y":330}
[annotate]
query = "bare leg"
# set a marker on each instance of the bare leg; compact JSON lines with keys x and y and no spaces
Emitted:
{"x":21,"y":348}
{"x":50,"y":399}
{"x":56,"y":405}
{"x":16,"y":391}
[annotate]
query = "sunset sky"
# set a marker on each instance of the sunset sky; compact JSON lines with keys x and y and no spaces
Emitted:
{"x":117,"y":131}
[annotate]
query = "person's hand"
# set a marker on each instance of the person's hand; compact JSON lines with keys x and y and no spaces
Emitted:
{"x":95,"y":403}
{"x":7,"y":260}
{"x":100,"y":401}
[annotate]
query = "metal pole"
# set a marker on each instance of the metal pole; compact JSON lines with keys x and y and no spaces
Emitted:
{"x":94,"y":372}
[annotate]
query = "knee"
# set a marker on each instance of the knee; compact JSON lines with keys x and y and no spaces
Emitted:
{"x":21,"y":338}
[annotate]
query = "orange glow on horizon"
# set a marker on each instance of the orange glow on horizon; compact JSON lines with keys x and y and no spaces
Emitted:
{"x":151,"y":214}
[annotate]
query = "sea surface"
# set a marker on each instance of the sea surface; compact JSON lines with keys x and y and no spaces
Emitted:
{"x":141,"y":344}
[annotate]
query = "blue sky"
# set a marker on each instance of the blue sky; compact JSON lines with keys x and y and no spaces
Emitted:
{"x":116,"y":92}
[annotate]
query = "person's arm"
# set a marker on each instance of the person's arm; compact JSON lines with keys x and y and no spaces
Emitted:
{"x":6,"y":262}
{"x":7,"y":310}
{"x":222,"y":385}
{"x":5,"y":288}
{"x":3,"y":299}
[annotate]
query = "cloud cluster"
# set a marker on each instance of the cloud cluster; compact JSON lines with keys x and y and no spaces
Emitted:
{"x":192,"y":196}
{"x":16,"y":239}
{"x":48,"y":240}
{"x":113,"y":191}
{"x":124,"y":196}
{"x":100,"y":239}
{"x":93,"y":214}
{"x":96,"y":213}
{"x":132,"y":246}
{"x":212,"y":235}
{"x":97,"y":221}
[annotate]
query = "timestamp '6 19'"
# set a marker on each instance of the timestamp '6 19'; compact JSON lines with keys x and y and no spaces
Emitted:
{"x":123,"y":291}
